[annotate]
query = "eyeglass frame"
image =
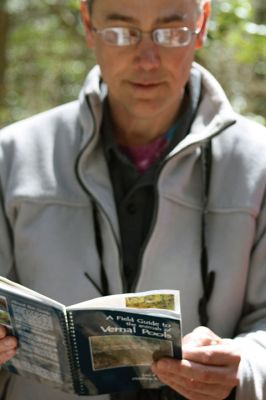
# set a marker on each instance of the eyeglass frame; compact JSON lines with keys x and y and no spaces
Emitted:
{"x":140,"y":33}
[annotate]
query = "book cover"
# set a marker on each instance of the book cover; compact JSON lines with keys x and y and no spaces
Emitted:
{"x":115,"y":349}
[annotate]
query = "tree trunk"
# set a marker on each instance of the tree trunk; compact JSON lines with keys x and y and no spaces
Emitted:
{"x":4,"y":24}
{"x":260,"y":11}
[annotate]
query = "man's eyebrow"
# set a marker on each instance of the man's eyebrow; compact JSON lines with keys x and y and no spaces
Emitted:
{"x":171,"y":18}
{"x":161,"y":20}
{"x":118,"y":17}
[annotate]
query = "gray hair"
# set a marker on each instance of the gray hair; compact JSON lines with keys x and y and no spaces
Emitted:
{"x":200,"y":4}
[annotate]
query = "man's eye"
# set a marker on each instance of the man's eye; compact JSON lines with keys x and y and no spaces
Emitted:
{"x":111,"y":36}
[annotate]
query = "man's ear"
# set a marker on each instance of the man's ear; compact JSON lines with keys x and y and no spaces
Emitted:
{"x":86,"y":18}
{"x":202,"y":24}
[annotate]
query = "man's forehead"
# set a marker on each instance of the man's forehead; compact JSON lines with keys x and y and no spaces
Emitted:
{"x":196,"y":2}
{"x":159,"y":9}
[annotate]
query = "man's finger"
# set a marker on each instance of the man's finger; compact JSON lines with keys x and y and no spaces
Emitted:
{"x":201,"y":336}
{"x":4,"y":357}
{"x":191,"y":388}
{"x":218,"y":355}
{"x":198,"y":372}
{"x":2,"y":331}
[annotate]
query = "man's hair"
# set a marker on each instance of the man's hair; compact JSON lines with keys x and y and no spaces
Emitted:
{"x":199,"y":2}
{"x":90,"y":3}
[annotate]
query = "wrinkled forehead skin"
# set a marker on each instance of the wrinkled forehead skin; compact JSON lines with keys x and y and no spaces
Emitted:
{"x":199,"y":4}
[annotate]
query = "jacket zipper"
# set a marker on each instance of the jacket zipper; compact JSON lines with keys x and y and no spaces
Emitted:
{"x":144,"y":246}
{"x":94,"y":200}
{"x":156,"y":207}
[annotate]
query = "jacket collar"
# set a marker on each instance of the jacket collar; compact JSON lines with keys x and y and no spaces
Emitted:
{"x":214,"y":113}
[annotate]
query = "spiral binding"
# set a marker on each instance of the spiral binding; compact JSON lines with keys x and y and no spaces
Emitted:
{"x":64,"y":325}
{"x":74,"y":359}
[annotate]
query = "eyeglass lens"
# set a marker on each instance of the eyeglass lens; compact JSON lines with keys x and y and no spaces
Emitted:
{"x":169,"y":37}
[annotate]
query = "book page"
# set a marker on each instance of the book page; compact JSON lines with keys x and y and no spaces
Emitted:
{"x":31,"y":294}
{"x":160,"y":300}
{"x":41,"y":331}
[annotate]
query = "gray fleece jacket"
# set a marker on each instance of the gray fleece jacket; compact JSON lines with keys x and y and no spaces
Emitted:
{"x":52,"y":171}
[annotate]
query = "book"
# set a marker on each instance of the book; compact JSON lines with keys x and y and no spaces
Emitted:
{"x":103,"y":345}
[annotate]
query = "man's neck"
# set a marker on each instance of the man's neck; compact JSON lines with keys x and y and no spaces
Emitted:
{"x":132,"y":131}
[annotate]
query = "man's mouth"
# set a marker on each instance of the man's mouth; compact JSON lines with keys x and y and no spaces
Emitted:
{"x":145,"y":85}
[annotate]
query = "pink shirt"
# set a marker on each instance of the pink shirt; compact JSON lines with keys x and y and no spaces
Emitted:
{"x":144,"y":156}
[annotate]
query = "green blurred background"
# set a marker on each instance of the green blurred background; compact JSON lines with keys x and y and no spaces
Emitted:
{"x":44,"y":59}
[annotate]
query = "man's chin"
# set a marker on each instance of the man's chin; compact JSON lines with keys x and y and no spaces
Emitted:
{"x":144,"y":108}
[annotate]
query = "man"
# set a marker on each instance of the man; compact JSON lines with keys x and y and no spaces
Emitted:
{"x":149,"y":181}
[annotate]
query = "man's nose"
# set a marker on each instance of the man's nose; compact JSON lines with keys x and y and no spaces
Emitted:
{"x":147,"y":54}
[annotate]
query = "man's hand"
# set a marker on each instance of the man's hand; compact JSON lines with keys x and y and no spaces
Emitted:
{"x":208,"y":370}
{"x":8,"y":345}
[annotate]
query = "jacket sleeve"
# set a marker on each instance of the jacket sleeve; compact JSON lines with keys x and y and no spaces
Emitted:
{"x":6,"y":241}
{"x":7,"y":258}
{"x":251,"y":332}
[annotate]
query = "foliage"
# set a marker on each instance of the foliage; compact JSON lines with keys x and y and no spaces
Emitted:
{"x":236,"y":53}
{"x":47,"y":58}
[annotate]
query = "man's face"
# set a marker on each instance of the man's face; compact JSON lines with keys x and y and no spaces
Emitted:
{"x":144,"y":79}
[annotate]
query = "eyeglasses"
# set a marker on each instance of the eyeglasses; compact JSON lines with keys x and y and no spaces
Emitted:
{"x":166,"y":37}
